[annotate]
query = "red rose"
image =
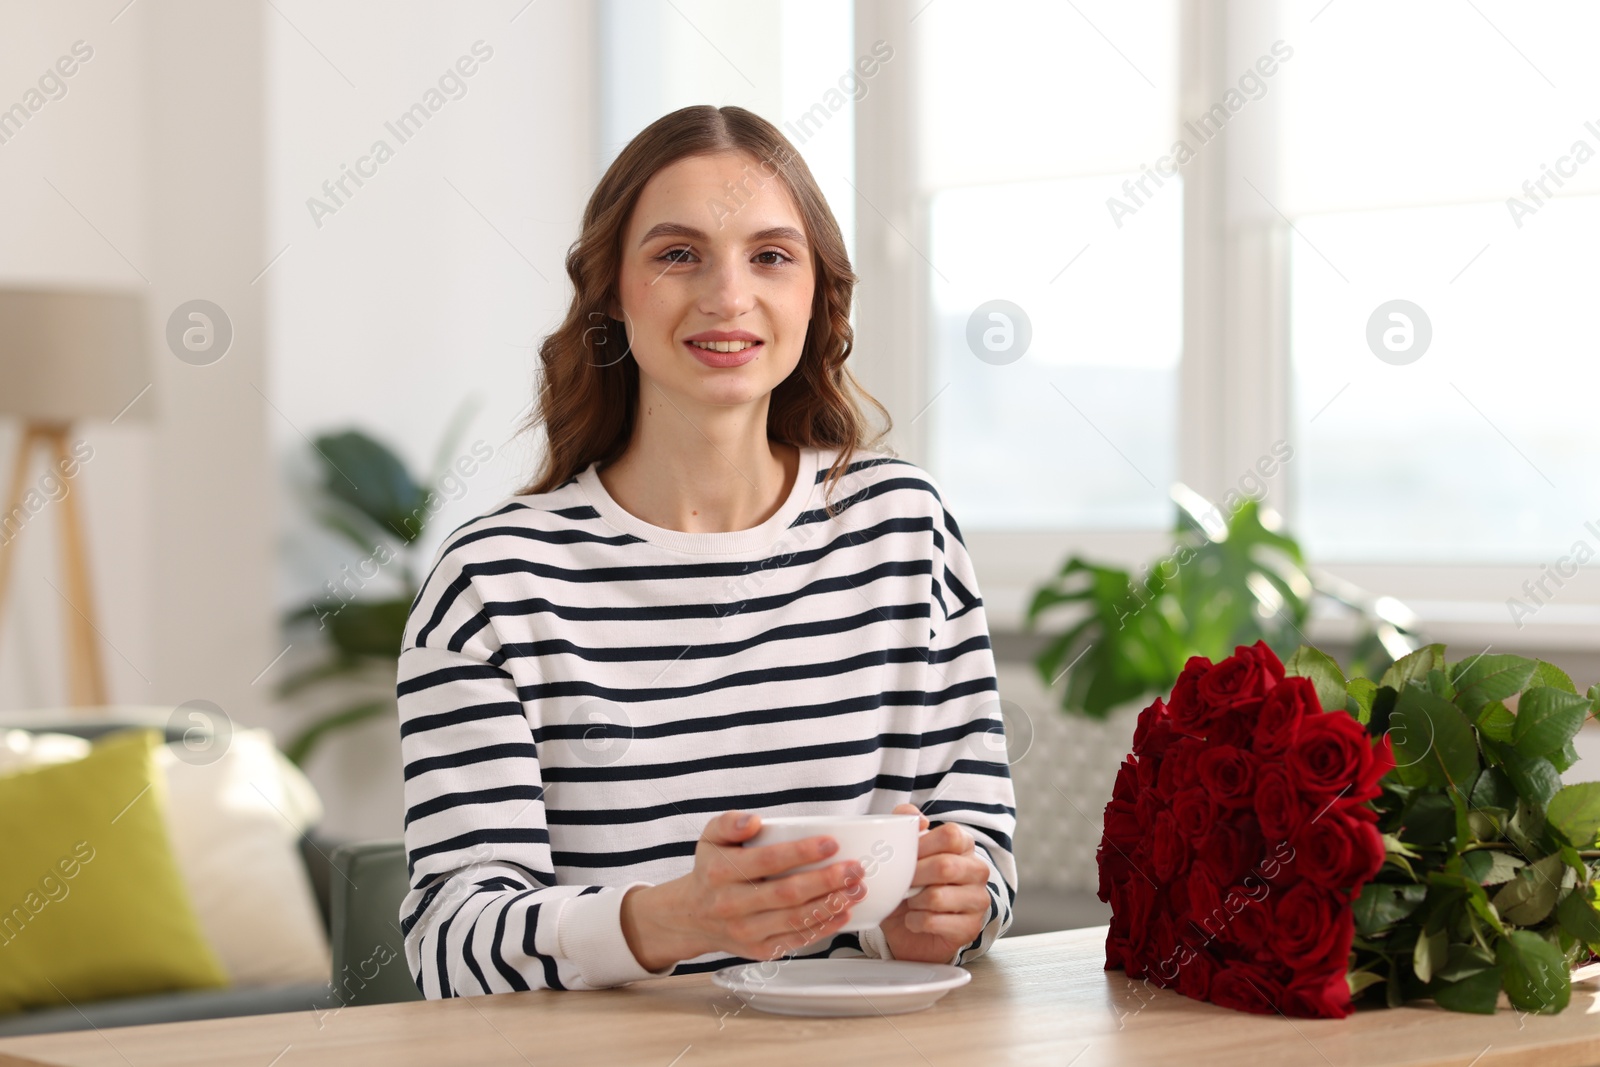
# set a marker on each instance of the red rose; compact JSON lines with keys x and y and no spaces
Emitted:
{"x":1146,"y":768}
{"x":1236,"y":727}
{"x":1228,"y":774}
{"x":1178,"y":768}
{"x":1187,"y":713}
{"x":1149,"y":805}
{"x":1149,"y":719}
{"x":1246,"y":986}
{"x":1200,"y":902}
{"x":1367,"y":786}
{"x":1244,"y":678}
{"x":1339,"y":851}
{"x":1195,"y":811}
{"x":1116,"y":951}
{"x":1251,"y":929}
{"x":1278,"y":724}
{"x":1122,"y":823}
{"x":1312,"y":929}
{"x":1318,"y":996}
{"x":1331,"y":757}
{"x":1231,"y":848}
{"x":1278,"y":805}
{"x":1169,"y":852}
{"x":1126,"y":786}
{"x":1194,"y":976}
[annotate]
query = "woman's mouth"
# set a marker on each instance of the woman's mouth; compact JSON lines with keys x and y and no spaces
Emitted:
{"x":724,"y":353}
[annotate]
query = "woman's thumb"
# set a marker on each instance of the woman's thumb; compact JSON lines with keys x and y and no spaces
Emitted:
{"x":732,"y":826}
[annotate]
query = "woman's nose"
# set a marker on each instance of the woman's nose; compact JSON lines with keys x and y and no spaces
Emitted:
{"x":728,"y":291}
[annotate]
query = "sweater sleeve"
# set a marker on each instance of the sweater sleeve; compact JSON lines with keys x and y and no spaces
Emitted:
{"x":483,"y":912}
{"x":963,"y":775}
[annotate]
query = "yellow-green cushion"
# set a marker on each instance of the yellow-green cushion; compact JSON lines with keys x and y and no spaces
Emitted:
{"x":91,"y":901}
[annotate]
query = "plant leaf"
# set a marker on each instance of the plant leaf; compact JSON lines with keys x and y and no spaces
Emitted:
{"x":1534,"y":971}
{"x":1323,"y":672}
{"x":1484,"y":678}
{"x":1477,"y":993}
{"x":1433,"y":741}
{"x":1360,"y":980}
{"x":1578,"y":917}
{"x":1496,"y":721}
{"x":1380,"y":905}
{"x":1536,"y":779}
{"x":1574,"y":813}
{"x":1429,"y":954}
{"x":1546,"y":720}
{"x":1527,"y":898}
{"x":1358,"y":699}
{"x":369,"y":476}
{"x":1551,"y":675}
{"x":1491,"y":866}
{"x":1412,"y":667}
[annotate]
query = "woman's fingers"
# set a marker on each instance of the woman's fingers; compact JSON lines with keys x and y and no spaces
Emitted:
{"x":950,"y":898}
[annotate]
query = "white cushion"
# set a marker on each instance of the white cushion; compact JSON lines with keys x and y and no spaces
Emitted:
{"x":235,"y":825}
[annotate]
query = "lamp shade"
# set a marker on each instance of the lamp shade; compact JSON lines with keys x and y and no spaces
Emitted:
{"x":68,"y":354}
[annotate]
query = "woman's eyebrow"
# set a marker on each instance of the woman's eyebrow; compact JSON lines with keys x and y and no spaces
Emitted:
{"x":678,"y":229}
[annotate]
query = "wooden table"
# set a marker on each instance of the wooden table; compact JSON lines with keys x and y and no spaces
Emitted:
{"x":1039,"y":999}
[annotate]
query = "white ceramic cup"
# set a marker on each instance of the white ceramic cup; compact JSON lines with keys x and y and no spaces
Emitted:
{"x":884,"y":845}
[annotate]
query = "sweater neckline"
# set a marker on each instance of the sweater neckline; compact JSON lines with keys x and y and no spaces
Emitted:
{"x":711,"y":543}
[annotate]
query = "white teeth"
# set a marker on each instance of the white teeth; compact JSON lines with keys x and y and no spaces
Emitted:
{"x":724,"y":346}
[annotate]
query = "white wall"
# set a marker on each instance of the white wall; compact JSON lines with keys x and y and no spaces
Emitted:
{"x":429,"y":286}
{"x":146,"y":175}
{"x":190,"y":142}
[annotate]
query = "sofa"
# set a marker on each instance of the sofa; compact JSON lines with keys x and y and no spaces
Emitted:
{"x":316,"y":852}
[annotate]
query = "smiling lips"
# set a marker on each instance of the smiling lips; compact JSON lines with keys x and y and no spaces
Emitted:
{"x":724,"y":348}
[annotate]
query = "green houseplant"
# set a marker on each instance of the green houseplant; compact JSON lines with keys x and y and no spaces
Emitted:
{"x":371,"y":500}
{"x":1224,"y":583}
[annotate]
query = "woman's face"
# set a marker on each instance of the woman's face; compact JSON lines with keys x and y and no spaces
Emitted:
{"x":716,"y":253}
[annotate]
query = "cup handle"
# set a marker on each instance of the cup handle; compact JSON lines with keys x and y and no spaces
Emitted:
{"x":914,"y":890}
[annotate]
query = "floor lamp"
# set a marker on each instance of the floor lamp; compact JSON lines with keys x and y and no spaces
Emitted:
{"x":65,"y":355}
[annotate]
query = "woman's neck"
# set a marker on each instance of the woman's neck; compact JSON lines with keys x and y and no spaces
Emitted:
{"x":714,"y":476}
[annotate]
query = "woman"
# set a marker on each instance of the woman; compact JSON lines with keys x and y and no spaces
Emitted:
{"x":714,"y":602}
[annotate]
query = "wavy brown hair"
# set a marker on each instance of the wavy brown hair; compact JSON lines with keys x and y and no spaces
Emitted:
{"x":589,"y":395}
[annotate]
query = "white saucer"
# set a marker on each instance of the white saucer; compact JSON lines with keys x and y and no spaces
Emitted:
{"x":840,"y":986}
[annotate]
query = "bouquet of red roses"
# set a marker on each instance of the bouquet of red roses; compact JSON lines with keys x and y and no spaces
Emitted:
{"x":1264,"y":850}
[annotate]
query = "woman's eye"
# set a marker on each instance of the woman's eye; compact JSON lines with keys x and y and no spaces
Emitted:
{"x":772,"y":252}
{"x":671,"y":254}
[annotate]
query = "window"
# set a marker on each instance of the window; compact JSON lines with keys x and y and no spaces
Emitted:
{"x":1465,"y":437}
{"x":1055,"y":323}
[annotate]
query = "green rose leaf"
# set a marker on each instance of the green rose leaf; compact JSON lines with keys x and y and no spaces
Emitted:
{"x":1433,"y":742}
{"x":1534,"y":972}
{"x":1487,"y":678}
{"x":1477,"y":993}
{"x":1359,"y":694}
{"x":1381,"y":905}
{"x":1535,"y":779}
{"x":1578,"y":917}
{"x":1323,"y":673}
{"x":1413,"y":667}
{"x":1491,"y":866}
{"x":1528,"y":897}
{"x":1429,"y":954}
{"x":1574,"y":813}
{"x":1495,"y":721}
{"x":1551,"y":675}
{"x":1546,"y":720}
{"x":1360,"y":980}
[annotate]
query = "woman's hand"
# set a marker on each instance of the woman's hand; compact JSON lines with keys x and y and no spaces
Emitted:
{"x":724,"y":906}
{"x":954,"y":902}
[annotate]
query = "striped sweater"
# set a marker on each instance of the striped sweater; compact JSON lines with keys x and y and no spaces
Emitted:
{"x":580,"y":692}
